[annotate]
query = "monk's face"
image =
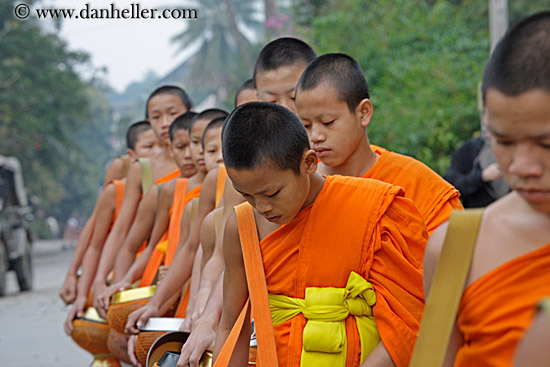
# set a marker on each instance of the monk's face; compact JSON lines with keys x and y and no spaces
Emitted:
{"x":247,"y":95}
{"x":179,"y":149}
{"x":146,"y":145}
{"x":213,"y":148}
{"x":195,"y":135}
{"x":276,"y":194}
{"x":278,"y":85}
{"x":334,"y":131}
{"x":162,"y":110}
{"x":519,"y":129}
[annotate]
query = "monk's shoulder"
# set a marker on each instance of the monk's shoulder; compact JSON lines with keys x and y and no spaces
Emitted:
{"x":412,"y":170}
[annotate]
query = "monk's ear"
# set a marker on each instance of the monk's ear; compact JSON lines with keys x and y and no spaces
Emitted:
{"x":310,"y":161}
{"x":131,"y":154}
{"x":364,"y":111}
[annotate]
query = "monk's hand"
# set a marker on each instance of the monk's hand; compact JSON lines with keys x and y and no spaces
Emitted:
{"x":100,"y":302}
{"x":200,"y":340}
{"x":491,"y":172}
{"x":139,"y":317}
{"x":76,"y":311}
{"x":132,"y":351}
{"x":68,"y":289}
{"x":163,"y":269}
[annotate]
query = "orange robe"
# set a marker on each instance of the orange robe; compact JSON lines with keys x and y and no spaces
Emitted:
{"x":220,"y":183}
{"x":496,"y":309}
{"x":169,"y":177}
{"x":119,"y":197}
{"x":164,"y":179}
{"x":172,"y":235}
{"x":434,"y":197}
{"x":365,"y":226}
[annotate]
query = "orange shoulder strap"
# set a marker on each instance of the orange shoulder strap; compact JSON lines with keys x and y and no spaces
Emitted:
{"x":174,"y":225}
{"x":257,"y":288}
{"x":220,"y":183}
{"x":119,"y":194}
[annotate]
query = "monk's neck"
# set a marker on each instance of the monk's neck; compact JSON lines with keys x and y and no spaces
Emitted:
{"x":316,"y":183}
{"x":358,"y":163}
{"x":197,"y":178}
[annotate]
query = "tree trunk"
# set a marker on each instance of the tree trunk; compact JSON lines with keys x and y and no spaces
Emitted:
{"x":242,"y":43}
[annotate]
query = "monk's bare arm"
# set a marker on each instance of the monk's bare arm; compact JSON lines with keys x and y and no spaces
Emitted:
{"x":105,"y":210}
{"x":180,"y":269}
{"x":431,"y":258}
{"x":117,"y":235}
{"x":207,"y":202}
{"x":139,"y":233}
{"x":203,"y":335}
{"x":68,"y":289}
{"x":114,"y":171}
{"x":235,"y":295}
{"x":212,"y":270}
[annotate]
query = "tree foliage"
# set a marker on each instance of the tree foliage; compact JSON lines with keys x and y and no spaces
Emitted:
{"x":54,"y":122}
{"x":423,"y":61}
{"x":225,"y":56}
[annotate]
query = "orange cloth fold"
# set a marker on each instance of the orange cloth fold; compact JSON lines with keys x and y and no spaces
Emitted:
{"x":220,"y":183}
{"x":169,"y":177}
{"x":365,"y":226}
{"x":172,"y":235}
{"x":119,"y":197}
{"x":434,"y":197}
{"x":497,"y":308}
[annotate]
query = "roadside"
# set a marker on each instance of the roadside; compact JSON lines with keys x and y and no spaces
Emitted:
{"x":31,"y":323}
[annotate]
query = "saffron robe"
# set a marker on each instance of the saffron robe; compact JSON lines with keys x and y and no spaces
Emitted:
{"x":165,"y":249}
{"x":366,"y":226}
{"x":434,"y":197}
{"x":496,"y":309}
{"x":119,"y":197}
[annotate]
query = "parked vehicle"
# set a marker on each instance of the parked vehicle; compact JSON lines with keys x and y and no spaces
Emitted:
{"x":15,"y":217}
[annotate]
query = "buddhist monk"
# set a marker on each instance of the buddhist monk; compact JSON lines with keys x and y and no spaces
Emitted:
{"x":173,"y":197}
{"x":509,"y":272}
{"x":117,"y":170}
{"x":163,"y":106}
{"x":180,"y":269}
{"x":211,"y":145}
{"x":335,"y":241}
{"x":246,"y":93}
{"x":141,"y":143}
{"x":333,"y":102}
{"x":533,"y":348}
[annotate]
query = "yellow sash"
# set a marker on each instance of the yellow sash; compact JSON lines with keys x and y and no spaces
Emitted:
{"x":326,"y":309}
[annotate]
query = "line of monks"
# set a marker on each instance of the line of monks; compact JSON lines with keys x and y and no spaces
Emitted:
{"x":284,"y":213}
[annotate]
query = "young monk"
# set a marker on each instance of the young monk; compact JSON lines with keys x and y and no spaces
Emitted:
{"x":509,"y":272}
{"x":180,"y":270}
{"x":141,"y":143}
{"x":163,"y":106}
{"x":533,"y":348}
{"x":332,"y":100}
{"x":117,"y":170}
{"x":173,"y":197}
{"x":317,"y":233}
{"x":246,"y":93}
{"x":278,"y":69}
{"x":211,"y":143}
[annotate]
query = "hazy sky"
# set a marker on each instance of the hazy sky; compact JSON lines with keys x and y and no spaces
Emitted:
{"x":127,"y":47}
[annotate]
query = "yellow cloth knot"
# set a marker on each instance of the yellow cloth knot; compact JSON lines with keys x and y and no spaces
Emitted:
{"x":326,"y":309}
{"x":162,"y":246}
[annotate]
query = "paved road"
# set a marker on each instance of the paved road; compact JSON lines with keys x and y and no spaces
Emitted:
{"x":31,"y":323}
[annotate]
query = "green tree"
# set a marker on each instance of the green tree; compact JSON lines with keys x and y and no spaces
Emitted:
{"x":49,"y":116}
{"x":423,"y":61}
{"x":225,"y":56}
